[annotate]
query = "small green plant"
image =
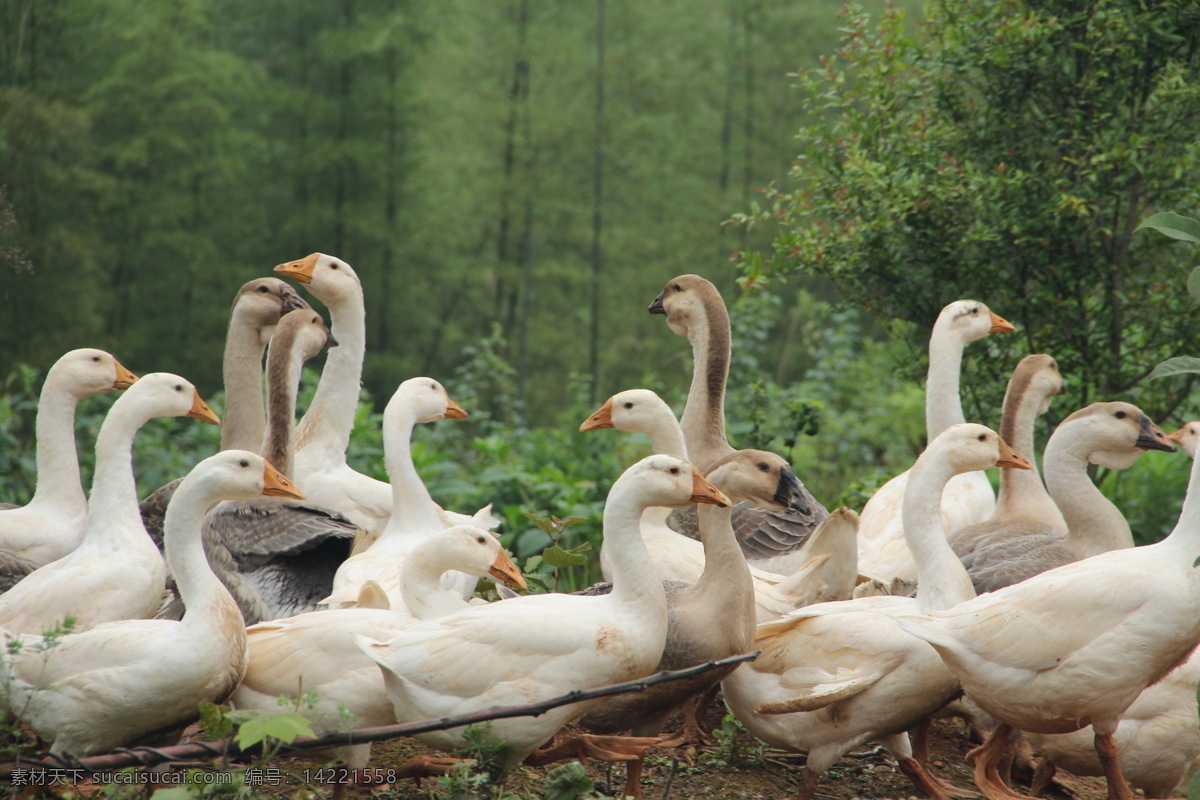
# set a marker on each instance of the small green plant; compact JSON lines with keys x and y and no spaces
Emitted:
{"x":482,"y":777}
{"x":731,"y":751}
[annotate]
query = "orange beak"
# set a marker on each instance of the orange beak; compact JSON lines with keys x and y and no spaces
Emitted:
{"x":1009,"y":458}
{"x":602,"y":418}
{"x":301,"y":270}
{"x":999,"y":324}
{"x":201,"y":411}
{"x":1177,"y":436}
{"x":454,"y":410}
{"x":125,"y":378}
{"x":504,"y":569}
{"x":705,"y":492}
{"x":276,"y":485}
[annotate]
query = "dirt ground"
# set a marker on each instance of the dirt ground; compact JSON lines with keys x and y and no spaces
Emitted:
{"x":738,"y":769}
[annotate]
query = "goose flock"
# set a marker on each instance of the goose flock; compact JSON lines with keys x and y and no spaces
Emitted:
{"x":275,"y":570}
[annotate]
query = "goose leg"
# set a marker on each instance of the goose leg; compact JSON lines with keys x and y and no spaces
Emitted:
{"x":987,"y":756}
{"x":1043,"y":773}
{"x":587,"y":745}
{"x":917,"y":770}
{"x":692,"y":731}
{"x":1106,"y":750}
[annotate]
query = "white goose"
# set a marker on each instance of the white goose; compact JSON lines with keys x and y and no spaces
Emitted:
{"x":1076,"y":644}
{"x":416,"y":516}
{"x":53,"y":522}
{"x":1187,"y":437}
{"x":834,"y":675}
{"x":680,"y":558}
{"x":540,"y":646}
{"x":1110,"y":434}
{"x":316,"y":651}
{"x":116,"y":572}
{"x":694,"y":309}
{"x":123,"y":682}
{"x":882,"y":552}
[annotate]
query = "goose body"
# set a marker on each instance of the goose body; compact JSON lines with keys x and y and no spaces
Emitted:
{"x":968,"y":499}
{"x":416,"y":517}
{"x":770,"y":539}
{"x":53,"y":522}
{"x":316,"y":651}
{"x":127,"y":682}
{"x":539,"y":646}
{"x":834,"y":675}
{"x":116,"y":572}
{"x":1064,"y":648}
{"x":1110,"y":434}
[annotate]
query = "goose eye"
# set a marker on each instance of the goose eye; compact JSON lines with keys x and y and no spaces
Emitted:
{"x":263,"y":289}
{"x":763,"y":467}
{"x":983,"y":437}
{"x":677,"y":287}
{"x":333,"y":265}
{"x":178,"y":387}
{"x":674,"y":470}
{"x":1120,"y":415}
{"x":479,"y":539}
{"x":629,"y":405}
{"x":243,"y":463}
{"x":96,"y":359}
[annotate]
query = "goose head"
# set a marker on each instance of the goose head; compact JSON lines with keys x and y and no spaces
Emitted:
{"x":88,"y":372}
{"x":242,"y":475}
{"x":162,"y":394}
{"x":1039,"y":375}
{"x":969,"y":447}
{"x":762,"y":478}
{"x":425,"y":400}
{"x":1187,"y":437}
{"x":305,"y":332}
{"x":970,"y":320}
{"x":670,"y":482}
{"x":633,"y":410}
{"x":330,"y":279}
{"x":1114,"y":434}
{"x":685,"y":301}
{"x":260,"y":303}
{"x":476,"y":552}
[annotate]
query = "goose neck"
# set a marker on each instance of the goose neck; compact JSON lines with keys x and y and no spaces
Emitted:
{"x":703,"y":419}
{"x":204,"y":596}
{"x":1094,"y":524}
{"x":667,"y":439}
{"x":330,"y":419}
{"x":942,"y":578}
{"x":1184,"y":540}
{"x":420,"y":587}
{"x":283,"y":381}
{"x":245,"y":418}
{"x":413,"y":509}
{"x":726,"y":574}
{"x":113,"y":504}
{"x":943,"y":407}
{"x":635,"y":578}
{"x":58,"y":478}
{"x":1022,"y":493}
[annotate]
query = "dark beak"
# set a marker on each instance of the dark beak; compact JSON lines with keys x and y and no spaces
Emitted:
{"x":656,"y":306}
{"x":790,"y":492}
{"x":291,"y":300}
{"x":1152,"y":437}
{"x":329,"y":340}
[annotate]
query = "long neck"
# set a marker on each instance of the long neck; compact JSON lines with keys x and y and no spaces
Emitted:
{"x":726,"y":574}
{"x":330,"y":419}
{"x":1184,"y":540}
{"x":420,"y":585}
{"x":943,"y":407}
{"x":1022,"y":494}
{"x":941,"y":577}
{"x":413,"y":509}
{"x":666,"y":437}
{"x":634,"y":577}
{"x":245,"y":419}
{"x":204,"y":596}
{"x":1094,"y":525}
{"x":58,"y":478}
{"x":113,"y":505}
{"x":703,"y":420}
{"x":283,"y":379}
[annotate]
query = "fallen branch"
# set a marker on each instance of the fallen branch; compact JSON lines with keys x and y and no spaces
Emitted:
{"x":190,"y":751}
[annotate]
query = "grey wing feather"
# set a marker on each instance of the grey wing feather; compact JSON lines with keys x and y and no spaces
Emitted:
{"x":13,"y":567}
{"x":1010,"y":561}
{"x":762,"y":533}
{"x":154,"y":510}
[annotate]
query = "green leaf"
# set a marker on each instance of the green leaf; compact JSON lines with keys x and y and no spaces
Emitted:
{"x":568,"y":782}
{"x":1193,"y":792}
{"x":1180,"y":365}
{"x":174,"y":793}
{"x":1174,"y":225}
{"x":555,"y":556}
{"x":1193,"y":285}
{"x":214,"y":722}
{"x":287,"y":726}
{"x":251,"y":732}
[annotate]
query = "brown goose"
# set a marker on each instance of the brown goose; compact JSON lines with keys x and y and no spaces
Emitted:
{"x":770,"y":539}
{"x":257,"y":308}
{"x":1022,"y":497}
{"x":278,"y":556}
{"x":1112,"y":435}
